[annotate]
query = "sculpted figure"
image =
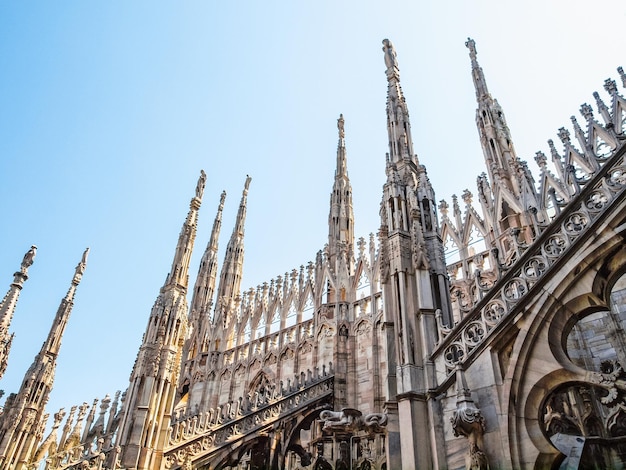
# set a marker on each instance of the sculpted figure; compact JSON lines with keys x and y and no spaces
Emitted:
{"x":352,"y":420}
{"x":468,"y":421}
{"x":29,"y":257}
{"x":200,"y":185}
{"x":321,"y":463}
{"x":375,"y":421}
{"x":344,"y":420}
{"x":390,"y":55}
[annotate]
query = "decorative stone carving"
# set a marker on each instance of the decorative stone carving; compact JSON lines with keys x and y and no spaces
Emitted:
{"x":320,"y":462}
{"x":468,"y":421}
{"x":536,"y":261}
{"x":613,"y":380}
{"x":352,"y":420}
{"x":29,"y":257}
{"x":208,"y":434}
{"x":418,"y":250}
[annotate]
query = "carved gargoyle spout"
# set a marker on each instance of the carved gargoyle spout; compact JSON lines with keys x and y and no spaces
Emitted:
{"x":468,"y":421}
{"x":352,"y":420}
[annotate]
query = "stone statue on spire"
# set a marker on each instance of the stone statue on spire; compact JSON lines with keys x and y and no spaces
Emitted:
{"x":471,"y":45}
{"x":390,"y":56}
{"x":340,"y":124}
{"x":29,"y":258}
{"x":200,"y":185}
{"x":80,"y":268}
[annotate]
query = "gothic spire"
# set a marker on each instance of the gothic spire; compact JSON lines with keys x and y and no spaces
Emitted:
{"x":512,"y":196}
{"x":23,"y":412}
{"x":241,"y":213}
{"x":495,"y":137}
{"x":232,"y":269}
{"x":7,"y":307}
{"x":480,"y":84}
{"x":53,"y":342}
{"x":154,"y":379}
{"x":205,"y":282}
{"x":179,"y":274}
{"x":342,"y":170}
{"x":204,"y":288}
{"x":398,"y":125}
{"x":341,"y":215}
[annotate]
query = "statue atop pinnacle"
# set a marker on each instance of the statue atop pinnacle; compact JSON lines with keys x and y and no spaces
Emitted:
{"x":390,"y":59}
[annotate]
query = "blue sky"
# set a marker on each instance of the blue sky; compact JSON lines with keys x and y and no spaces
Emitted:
{"x":108,"y":111}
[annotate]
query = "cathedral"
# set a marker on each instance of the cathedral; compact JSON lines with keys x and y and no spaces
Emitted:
{"x":484,"y":332}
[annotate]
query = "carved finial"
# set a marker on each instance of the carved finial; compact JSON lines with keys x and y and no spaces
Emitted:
{"x":603,"y":109}
{"x":58,"y":417}
{"x":340,"y":126}
{"x":622,"y":75}
{"x":577,"y":129}
{"x":564,"y":135}
{"x":610,"y":86}
{"x":541,"y":159}
{"x":467,"y":197}
{"x":455,"y":204}
{"x":553,"y":152}
{"x":443,"y":207}
{"x":586,"y":111}
{"x":361,"y":246}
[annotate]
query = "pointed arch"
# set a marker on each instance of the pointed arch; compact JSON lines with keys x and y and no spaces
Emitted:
{"x":362,"y":281}
{"x":270,"y":359}
{"x":307,"y":305}
{"x":262,"y":381}
{"x":291,"y":314}
{"x":602,"y":143}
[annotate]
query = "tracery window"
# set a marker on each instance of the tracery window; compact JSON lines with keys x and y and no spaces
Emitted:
{"x":586,"y":420}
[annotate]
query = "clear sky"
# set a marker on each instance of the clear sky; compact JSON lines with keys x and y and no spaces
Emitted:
{"x":108,"y":111}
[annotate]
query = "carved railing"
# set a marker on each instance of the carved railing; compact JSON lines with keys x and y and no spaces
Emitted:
{"x":557,"y":242}
{"x":199,"y":436}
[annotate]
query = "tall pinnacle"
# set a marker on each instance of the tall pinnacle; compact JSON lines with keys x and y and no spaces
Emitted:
{"x":241,"y":213}
{"x":480,"y":84}
{"x":232,"y":270}
{"x":202,"y":300}
{"x":7,"y":307}
{"x":398,"y":125}
{"x":517,"y":194}
{"x":342,"y":169}
{"x":24,"y":411}
{"x":205,"y":282}
{"x":53,"y":342}
{"x":154,"y":379}
{"x":341,"y":216}
{"x":179,"y":274}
